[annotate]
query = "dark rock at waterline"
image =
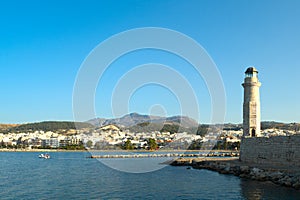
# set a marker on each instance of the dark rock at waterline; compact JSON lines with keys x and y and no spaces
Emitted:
{"x":244,"y":171}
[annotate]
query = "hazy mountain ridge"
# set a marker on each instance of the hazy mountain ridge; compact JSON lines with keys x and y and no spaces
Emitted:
{"x":133,"y":119}
{"x":139,"y":123}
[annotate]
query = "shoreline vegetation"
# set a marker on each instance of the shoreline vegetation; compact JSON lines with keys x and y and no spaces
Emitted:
{"x":288,"y":177}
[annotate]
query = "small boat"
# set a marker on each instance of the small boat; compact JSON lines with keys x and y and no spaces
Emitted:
{"x":45,"y":156}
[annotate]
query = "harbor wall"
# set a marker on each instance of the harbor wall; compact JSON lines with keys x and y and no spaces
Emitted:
{"x":275,"y":151}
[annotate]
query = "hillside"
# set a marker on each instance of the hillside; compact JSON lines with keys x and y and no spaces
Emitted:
{"x":280,"y":125}
{"x":48,"y":126}
{"x":7,"y":126}
{"x":168,"y":127}
{"x":267,"y":125}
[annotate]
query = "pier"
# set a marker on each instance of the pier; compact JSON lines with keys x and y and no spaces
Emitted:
{"x":157,"y":155}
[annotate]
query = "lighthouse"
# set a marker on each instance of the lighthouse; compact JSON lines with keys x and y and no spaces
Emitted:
{"x":251,"y":106}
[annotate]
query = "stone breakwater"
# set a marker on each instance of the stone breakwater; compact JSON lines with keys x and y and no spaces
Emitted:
{"x":237,"y":168}
{"x":153,"y":155}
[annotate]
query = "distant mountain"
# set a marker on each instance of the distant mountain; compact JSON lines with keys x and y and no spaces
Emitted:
{"x":97,"y":122}
{"x":132,"y":119}
{"x":139,"y":123}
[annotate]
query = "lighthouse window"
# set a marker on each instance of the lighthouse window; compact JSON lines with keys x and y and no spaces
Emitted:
{"x":249,"y":75}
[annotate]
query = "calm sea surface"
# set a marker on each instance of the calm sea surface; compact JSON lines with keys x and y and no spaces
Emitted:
{"x":73,"y":176}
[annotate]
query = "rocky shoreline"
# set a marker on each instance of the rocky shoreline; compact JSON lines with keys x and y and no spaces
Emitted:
{"x":243,"y":170}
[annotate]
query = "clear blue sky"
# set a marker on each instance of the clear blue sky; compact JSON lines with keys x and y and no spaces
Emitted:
{"x":43,"y":43}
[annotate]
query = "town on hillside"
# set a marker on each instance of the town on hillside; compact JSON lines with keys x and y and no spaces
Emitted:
{"x":114,"y":137}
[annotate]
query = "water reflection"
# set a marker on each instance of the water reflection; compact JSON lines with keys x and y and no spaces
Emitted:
{"x":255,"y":190}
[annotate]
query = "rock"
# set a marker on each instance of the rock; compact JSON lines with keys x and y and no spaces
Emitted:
{"x":255,"y":170}
{"x":227,"y":169}
{"x":261,"y":176}
{"x":296,"y":185}
{"x":244,"y":169}
{"x":220,"y":167}
{"x":294,"y":179}
{"x":288,"y":183}
{"x":242,"y":176}
{"x":286,"y":180}
{"x":275,"y":176}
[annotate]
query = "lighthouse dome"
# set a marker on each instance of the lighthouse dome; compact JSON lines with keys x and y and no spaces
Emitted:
{"x":251,"y":72}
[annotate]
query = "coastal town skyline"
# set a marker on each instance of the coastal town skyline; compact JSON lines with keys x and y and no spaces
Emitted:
{"x":43,"y":49}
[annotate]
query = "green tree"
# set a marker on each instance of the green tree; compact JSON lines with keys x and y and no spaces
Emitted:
{"x":89,"y":144}
{"x":195,"y":145}
{"x":202,"y":129}
{"x":128,"y":145}
{"x":225,"y":145}
{"x":172,"y":128}
{"x":152,"y":144}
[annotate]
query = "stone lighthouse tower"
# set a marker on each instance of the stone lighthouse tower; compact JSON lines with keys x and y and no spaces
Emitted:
{"x":251,"y":107}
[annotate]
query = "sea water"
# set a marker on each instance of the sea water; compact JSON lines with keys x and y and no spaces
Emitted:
{"x":71,"y":175}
